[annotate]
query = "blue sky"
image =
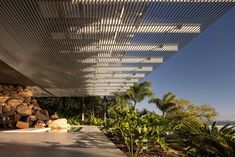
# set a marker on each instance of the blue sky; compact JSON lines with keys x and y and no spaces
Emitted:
{"x":204,"y":70}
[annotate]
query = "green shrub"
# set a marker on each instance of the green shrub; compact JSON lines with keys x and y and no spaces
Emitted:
{"x":74,"y":121}
{"x":140,"y":131}
{"x":97,"y":121}
{"x":200,"y":140}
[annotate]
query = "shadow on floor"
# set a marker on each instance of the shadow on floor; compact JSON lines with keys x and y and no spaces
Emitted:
{"x":49,"y":150}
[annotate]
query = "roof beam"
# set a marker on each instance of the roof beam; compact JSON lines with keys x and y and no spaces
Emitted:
{"x":119,"y":68}
{"x":123,"y":60}
{"x":109,"y":84}
{"x":106,"y":88}
{"x":148,"y":28}
{"x":116,"y":75}
{"x":111,"y":80}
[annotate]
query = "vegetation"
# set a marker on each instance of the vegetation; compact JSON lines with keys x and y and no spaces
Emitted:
{"x":139,"y":91}
{"x":140,"y":130}
{"x":179,"y":131}
{"x":196,"y":139}
{"x":166,"y":104}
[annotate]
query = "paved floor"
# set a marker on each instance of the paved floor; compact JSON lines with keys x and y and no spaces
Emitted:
{"x":89,"y":142}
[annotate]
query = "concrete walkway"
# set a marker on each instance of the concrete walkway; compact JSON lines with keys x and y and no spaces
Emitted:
{"x":89,"y":142}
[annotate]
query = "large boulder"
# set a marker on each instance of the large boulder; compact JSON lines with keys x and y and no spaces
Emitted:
{"x":14,"y":102}
{"x":24,"y":110}
{"x":59,"y":124}
{"x":42,"y":115}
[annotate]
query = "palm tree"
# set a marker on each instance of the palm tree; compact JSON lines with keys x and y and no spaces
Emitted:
{"x":164,"y":104}
{"x":139,"y":91}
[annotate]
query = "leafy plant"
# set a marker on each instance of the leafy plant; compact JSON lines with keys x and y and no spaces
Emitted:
{"x":200,"y":140}
{"x":74,"y":121}
{"x":140,"y":131}
{"x":97,"y":121}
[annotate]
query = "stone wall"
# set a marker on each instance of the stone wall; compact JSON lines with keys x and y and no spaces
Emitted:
{"x":19,"y":110}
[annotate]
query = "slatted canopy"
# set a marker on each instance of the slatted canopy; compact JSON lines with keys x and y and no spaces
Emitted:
{"x":97,"y":47}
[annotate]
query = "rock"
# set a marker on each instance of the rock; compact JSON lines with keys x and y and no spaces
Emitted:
{"x":59,"y":124}
{"x":3,"y":104}
{"x":6,"y":92}
{"x":31,"y":106}
{"x":5,"y":87}
{"x":14,"y":96}
{"x":36,"y":108}
{"x":42,"y":115}
{"x":24,"y":104}
{"x":27,"y":100}
{"x":6,"y":108}
{"x":54,"y":117}
{"x":45,"y":112}
{"x":14,"y":102}
{"x":19,"y":89}
{"x":33,"y":118}
{"x":13,"y":92}
{"x":33,"y":101}
{"x":10,"y":87}
{"x":22,"y":125}
{"x":39,"y":126}
{"x":24,"y":110}
{"x":26,"y":93}
{"x":4,"y":99}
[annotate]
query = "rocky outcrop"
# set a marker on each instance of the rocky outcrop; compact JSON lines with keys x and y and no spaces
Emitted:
{"x":18,"y":109}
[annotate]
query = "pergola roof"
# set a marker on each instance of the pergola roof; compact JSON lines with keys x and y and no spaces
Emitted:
{"x":97,"y":47}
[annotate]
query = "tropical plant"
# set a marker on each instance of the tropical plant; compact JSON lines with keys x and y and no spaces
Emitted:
{"x":139,"y":92}
{"x":140,"y":131}
{"x":165,"y":104}
{"x":200,"y":140}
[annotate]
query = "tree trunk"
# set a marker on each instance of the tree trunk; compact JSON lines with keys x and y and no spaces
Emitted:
{"x":105,"y":112}
{"x":83,"y":110}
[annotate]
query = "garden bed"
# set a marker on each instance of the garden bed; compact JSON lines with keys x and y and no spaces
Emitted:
{"x":156,"y":152}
